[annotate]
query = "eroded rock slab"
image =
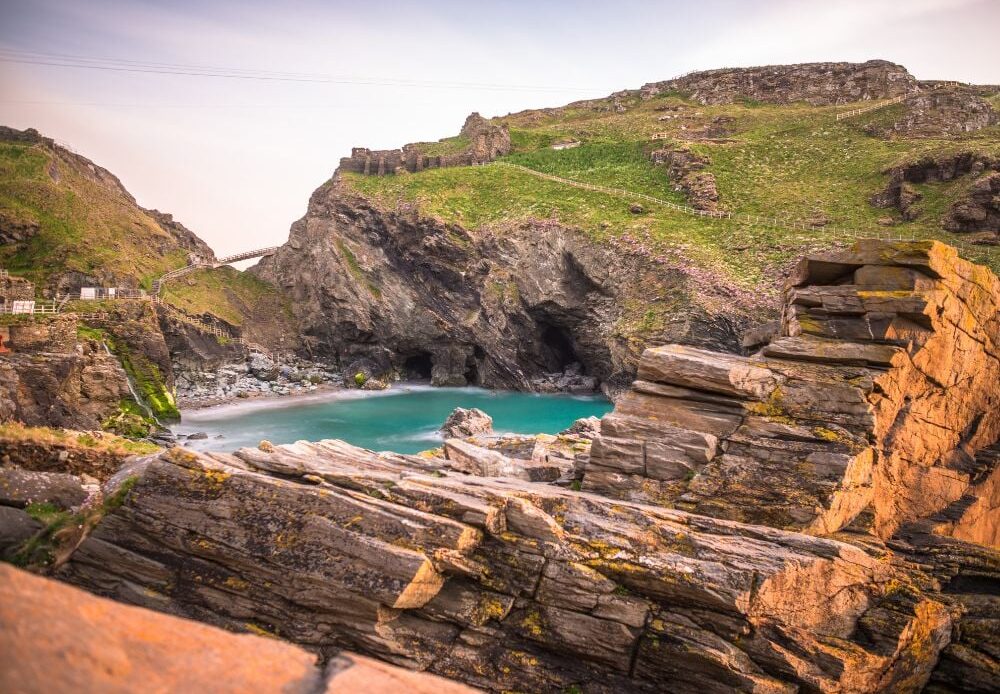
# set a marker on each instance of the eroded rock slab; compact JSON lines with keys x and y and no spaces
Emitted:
{"x":499,"y":582}
{"x":54,"y":638}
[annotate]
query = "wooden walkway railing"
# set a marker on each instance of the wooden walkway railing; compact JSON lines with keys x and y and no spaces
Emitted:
{"x":872,"y":107}
{"x":246,"y":255}
{"x":211,"y":328}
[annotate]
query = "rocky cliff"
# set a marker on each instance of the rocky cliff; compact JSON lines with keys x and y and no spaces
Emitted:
{"x":51,"y":379}
{"x":515,"y":306}
{"x":828,"y":522}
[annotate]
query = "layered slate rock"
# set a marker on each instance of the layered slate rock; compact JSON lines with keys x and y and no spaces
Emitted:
{"x":869,"y":407}
{"x":54,"y":638}
{"x":500,"y":582}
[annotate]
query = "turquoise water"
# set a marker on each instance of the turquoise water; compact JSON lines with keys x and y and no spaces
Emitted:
{"x":404,"y":419}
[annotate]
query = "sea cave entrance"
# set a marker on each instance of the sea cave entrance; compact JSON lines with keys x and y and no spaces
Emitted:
{"x":557,"y":349}
{"x":418,"y":367}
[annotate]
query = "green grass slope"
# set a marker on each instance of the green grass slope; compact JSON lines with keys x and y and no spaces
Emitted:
{"x":788,"y":161}
{"x":80,"y":220}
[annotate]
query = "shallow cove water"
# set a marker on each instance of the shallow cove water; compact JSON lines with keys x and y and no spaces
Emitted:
{"x":405,"y":418}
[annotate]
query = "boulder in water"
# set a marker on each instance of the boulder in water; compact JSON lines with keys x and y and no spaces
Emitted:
{"x":462,"y":423}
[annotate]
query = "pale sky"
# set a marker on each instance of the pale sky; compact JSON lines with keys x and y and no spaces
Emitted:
{"x":235,"y":160}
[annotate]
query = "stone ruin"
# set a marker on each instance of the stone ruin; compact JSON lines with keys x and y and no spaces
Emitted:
{"x":820,"y":517}
{"x":14,"y":288}
{"x":487,"y":141}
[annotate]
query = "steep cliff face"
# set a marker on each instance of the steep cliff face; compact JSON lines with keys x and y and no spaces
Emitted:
{"x":53,"y":380}
{"x":497,"y":307}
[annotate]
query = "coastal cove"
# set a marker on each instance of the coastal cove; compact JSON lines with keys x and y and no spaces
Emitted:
{"x":406,"y":418}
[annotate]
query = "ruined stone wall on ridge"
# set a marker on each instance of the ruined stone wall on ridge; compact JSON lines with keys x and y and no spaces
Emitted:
{"x":869,"y":408}
{"x":486,"y":142}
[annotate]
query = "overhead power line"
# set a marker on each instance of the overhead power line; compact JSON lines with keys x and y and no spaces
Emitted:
{"x":153,"y":68}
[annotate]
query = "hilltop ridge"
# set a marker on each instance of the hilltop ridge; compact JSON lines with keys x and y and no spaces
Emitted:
{"x":503,"y":276}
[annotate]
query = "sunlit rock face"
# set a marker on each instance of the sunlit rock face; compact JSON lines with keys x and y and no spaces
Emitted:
{"x":871,"y":406}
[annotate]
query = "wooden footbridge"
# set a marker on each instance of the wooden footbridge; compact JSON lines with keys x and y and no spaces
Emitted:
{"x":198,"y":263}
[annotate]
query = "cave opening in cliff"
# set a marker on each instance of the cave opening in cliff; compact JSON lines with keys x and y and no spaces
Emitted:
{"x":557,"y":349}
{"x":418,"y":367}
{"x":472,"y":365}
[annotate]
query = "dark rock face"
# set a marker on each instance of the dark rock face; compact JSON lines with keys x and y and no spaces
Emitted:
{"x":819,"y":84}
{"x":974,"y":213}
{"x":77,"y":390}
{"x":499,"y":308}
{"x":486,"y":142}
{"x":872,"y":401}
{"x":979,"y":210}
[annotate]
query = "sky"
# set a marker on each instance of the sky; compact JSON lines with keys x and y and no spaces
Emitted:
{"x":236,"y":158}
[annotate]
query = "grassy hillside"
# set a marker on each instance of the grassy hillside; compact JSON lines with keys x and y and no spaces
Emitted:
{"x":227,"y":294}
{"x":65,"y":222}
{"x":75,"y":219}
{"x":793,"y":161}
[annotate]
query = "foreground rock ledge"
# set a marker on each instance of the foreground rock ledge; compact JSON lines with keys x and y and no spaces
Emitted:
{"x":54,"y":638}
{"x":503,"y":583}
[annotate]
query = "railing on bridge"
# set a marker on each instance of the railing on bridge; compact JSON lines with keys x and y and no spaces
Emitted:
{"x":103,"y":293}
{"x":259,"y":253}
{"x":197,"y":263}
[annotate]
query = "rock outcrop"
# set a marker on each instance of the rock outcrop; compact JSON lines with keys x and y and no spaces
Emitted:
{"x":869,"y":407}
{"x":499,"y":582}
{"x":462,"y":423}
{"x":77,"y":388}
{"x":978,"y":211}
{"x":686,"y":169}
{"x":974,"y":212}
{"x":527,"y":306}
{"x":54,"y":638}
{"x":819,"y":84}
{"x":939,"y":112}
